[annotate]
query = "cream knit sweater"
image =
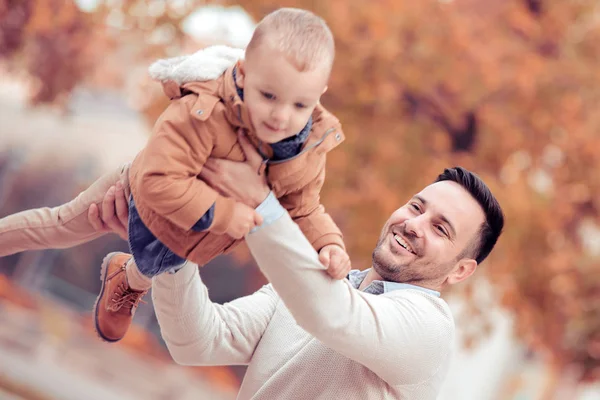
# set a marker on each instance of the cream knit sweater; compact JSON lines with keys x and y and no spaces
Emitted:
{"x":306,"y":336}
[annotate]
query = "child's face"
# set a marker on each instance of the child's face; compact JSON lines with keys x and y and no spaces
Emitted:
{"x":280,"y":99}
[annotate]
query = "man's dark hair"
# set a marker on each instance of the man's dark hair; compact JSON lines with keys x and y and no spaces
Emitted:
{"x":494,"y":217}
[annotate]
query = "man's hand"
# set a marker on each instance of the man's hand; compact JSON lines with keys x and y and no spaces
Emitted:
{"x":113,"y":215}
{"x":336,"y":260}
{"x":238,"y":180}
{"x":243,"y":220}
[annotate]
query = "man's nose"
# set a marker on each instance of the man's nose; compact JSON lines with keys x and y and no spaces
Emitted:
{"x":415,"y":225}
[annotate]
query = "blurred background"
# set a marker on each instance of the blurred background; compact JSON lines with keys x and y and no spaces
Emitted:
{"x":509,"y":89}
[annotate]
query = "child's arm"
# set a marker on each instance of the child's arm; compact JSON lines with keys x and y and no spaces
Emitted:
{"x":168,"y":167}
{"x":305,"y":207}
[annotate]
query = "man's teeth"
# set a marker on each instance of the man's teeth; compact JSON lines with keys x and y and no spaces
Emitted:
{"x":402,"y":243}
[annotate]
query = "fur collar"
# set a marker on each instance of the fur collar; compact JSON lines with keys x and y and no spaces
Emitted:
{"x":204,"y":65}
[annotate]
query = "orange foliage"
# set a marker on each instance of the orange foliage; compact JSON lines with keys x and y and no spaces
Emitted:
{"x":50,"y":38}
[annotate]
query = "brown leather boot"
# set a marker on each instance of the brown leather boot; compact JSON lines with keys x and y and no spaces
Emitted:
{"x":117,"y":302}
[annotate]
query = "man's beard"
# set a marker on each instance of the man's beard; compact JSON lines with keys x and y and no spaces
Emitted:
{"x":401,"y":273}
{"x":389,"y":271}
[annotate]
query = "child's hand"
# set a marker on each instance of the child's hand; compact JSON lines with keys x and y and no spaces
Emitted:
{"x":336,"y":260}
{"x":243,"y":220}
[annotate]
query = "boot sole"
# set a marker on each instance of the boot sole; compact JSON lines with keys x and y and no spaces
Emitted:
{"x":103,"y":270}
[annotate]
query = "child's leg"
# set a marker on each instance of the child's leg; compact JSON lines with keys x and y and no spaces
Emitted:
{"x":124,"y":284}
{"x":127,"y":278}
{"x":59,"y":227}
{"x":140,"y":277}
{"x":150,"y":256}
{"x":136,"y":278}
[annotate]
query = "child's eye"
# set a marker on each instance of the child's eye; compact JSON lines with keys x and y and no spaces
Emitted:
{"x":300,"y":105}
{"x":268,"y":96}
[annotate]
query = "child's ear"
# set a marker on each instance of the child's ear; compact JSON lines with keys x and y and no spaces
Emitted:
{"x":241,"y":73}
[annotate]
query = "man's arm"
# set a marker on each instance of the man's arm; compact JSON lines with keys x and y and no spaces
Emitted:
{"x":199,"y":332}
{"x":404,"y":337}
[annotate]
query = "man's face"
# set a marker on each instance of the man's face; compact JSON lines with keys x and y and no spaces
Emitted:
{"x":424,"y":240}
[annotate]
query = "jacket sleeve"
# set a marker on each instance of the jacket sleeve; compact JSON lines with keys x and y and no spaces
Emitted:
{"x":206,"y":221}
{"x":304,"y":206}
{"x":169,"y":165}
{"x":200,"y":332}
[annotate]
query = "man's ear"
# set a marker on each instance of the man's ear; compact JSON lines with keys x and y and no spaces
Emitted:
{"x":463,"y":269}
{"x":324,"y":90}
{"x":241,"y":73}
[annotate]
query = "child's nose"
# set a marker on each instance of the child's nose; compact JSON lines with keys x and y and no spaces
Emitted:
{"x":280,"y":114}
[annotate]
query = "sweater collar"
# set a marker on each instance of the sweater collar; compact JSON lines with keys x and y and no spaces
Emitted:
{"x":378,"y":287}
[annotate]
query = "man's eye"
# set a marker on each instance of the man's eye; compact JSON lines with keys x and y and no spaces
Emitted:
{"x":441,"y":229}
{"x":267,"y":95}
{"x":415,"y":206}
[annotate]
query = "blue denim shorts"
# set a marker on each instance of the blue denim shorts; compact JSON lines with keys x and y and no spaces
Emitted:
{"x":151,"y":256}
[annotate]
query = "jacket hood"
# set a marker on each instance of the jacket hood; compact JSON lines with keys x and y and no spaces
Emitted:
{"x":204,"y":65}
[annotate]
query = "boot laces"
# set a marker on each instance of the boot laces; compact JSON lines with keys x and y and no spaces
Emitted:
{"x":125,"y":297}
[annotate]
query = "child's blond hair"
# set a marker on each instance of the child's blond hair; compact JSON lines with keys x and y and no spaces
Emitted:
{"x":303,"y":37}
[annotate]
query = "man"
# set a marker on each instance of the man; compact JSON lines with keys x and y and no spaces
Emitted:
{"x":382,"y":333}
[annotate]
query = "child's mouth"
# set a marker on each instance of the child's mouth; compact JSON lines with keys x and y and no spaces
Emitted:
{"x":272,"y":129}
